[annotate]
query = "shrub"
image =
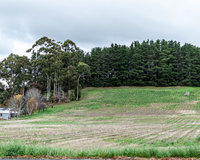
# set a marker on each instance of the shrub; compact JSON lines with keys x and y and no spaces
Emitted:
{"x":18,"y":97}
{"x":3,"y":96}
{"x":13,"y":103}
{"x":33,"y":93}
{"x":67,"y":101}
{"x":4,"y":93}
{"x":31,"y":106}
{"x":72,"y":96}
{"x":54,"y":99}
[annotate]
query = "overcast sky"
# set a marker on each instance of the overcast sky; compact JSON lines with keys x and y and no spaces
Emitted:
{"x":92,"y":23}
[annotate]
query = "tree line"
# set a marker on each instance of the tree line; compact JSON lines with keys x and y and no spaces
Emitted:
{"x":60,"y":69}
{"x":149,"y":63}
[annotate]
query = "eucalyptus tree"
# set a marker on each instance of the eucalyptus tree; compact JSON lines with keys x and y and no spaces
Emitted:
{"x":72,"y":55}
{"x":43,"y":57}
{"x":82,"y":70}
{"x":57,"y":61}
{"x":15,"y":70}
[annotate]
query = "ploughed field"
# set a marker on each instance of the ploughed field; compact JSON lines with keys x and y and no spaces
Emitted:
{"x":114,"y":117}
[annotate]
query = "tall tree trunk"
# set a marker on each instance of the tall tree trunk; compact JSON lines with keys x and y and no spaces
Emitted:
{"x":48,"y":87}
{"x":55,"y":93}
{"x":77,"y":90}
{"x":63,"y":94}
{"x":12,"y":82}
{"x":23,"y":89}
{"x":54,"y":89}
{"x":59,"y":92}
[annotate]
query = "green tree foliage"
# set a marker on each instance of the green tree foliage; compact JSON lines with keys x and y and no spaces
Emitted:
{"x":151,"y":63}
{"x":15,"y":70}
{"x":4,"y":93}
{"x":55,"y":65}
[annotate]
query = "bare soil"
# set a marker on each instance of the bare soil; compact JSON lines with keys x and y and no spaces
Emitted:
{"x":86,"y":129}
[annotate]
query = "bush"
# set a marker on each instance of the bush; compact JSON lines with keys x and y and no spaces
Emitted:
{"x":3,"y":96}
{"x":63,"y":99}
{"x":31,"y":106}
{"x":15,"y":150}
{"x":33,"y":93}
{"x":54,"y":99}
{"x":4,"y":93}
{"x":13,"y":103}
{"x":72,"y":96}
{"x":67,"y":101}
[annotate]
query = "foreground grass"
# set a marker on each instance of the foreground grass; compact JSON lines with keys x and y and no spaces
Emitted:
{"x":11,"y":149}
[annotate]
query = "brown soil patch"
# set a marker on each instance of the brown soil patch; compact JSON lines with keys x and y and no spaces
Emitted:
{"x":187,"y":112}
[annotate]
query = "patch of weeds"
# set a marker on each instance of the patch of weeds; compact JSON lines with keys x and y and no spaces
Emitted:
{"x":170,"y":107}
{"x":197,"y":138}
{"x":93,"y":106}
{"x":183,"y":115}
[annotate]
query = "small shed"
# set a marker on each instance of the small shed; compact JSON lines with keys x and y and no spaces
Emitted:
{"x":5,"y":113}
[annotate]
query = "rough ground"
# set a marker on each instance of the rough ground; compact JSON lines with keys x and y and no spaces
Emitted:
{"x":84,"y":128}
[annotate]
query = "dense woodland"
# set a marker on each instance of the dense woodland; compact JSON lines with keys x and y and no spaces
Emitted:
{"x":59,"y":68}
{"x":150,"y":63}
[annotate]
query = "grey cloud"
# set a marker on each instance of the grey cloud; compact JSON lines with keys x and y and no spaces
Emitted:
{"x":100,"y":22}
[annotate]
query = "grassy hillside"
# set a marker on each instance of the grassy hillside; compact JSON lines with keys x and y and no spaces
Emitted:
{"x":115,"y":118}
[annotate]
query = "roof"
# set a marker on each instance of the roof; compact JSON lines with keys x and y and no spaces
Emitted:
{"x":2,"y":109}
{"x":5,"y":110}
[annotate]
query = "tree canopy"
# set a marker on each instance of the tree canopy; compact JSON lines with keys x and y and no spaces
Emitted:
{"x":149,"y":63}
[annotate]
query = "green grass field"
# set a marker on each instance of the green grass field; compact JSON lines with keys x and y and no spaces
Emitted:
{"x":112,"y":122}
